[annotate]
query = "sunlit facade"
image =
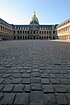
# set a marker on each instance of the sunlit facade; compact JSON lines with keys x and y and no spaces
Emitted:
{"x":63,"y":30}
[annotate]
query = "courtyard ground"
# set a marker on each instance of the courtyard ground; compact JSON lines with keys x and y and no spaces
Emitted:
{"x":34,"y":72}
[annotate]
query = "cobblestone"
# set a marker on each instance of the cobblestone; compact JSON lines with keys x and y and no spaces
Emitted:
{"x":8,"y":88}
{"x":18,"y":88}
{"x":36,"y":87}
{"x":60,"y":88}
{"x":50,"y":99}
{"x":36,"y":97}
{"x":26,"y":81}
{"x":45,"y":81}
{"x":61,"y":99}
{"x":34,"y":72}
{"x":48,"y":88}
{"x":8,"y":99}
{"x":21,"y":99}
{"x":27,"y":89}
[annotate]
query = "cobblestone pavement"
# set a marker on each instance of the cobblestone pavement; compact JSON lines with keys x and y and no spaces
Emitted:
{"x":34,"y":72}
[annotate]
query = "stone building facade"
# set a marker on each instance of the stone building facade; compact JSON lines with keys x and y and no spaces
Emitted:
{"x":6,"y":30}
{"x":63,"y":30}
{"x":32,"y":31}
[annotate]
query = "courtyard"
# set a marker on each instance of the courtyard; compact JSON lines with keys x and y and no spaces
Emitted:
{"x":34,"y":72}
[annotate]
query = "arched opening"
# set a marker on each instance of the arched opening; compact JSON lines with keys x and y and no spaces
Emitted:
{"x":47,"y":37}
{"x":44,"y":37}
{"x":33,"y":37}
{"x":33,"y":32}
{"x":18,"y":37}
{"x":1,"y":28}
{"x":28,"y":37}
{"x":23,"y":37}
{"x":18,"y":32}
{"x":53,"y":37}
{"x":14,"y":37}
{"x":14,"y":31}
{"x":28,"y":32}
{"x":39,"y":37}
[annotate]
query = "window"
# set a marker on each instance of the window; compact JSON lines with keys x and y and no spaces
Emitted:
{"x":40,"y":32}
{"x":18,"y":32}
{"x":44,"y":32}
{"x":34,"y":32}
{"x":49,"y":32}
{"x":28,"y":32}
{"x":53,"y":32}
{"x":14,"y":31}
{"x":23,"y":32}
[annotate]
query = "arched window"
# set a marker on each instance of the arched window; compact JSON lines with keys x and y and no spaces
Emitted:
{"x":1,"y":28}
{"x":14,"y":31}
{"x":53,"y":32}
{"x":34,"y":32}
{"x":18,"y":32}
{"x":39,"y":32}
{"x":42,"y":32}
{"x":23,"y":32}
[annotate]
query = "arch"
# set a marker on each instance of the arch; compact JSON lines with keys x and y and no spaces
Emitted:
{"x":23,"y":32}
{"x":18,"y":32}
{"x":44,"y":37}
{"x":23,"y":37}
{"x":33,"y":32}
{"x":44,"y":32}
{"x":28,"y":32}
{"x":39,"y":37}
{"x":33,"y":37}
{"x":14,"y":31}
{"x":18,"y":37}
{"x":53,"y":37}
{"x":47,"y":37}
{"x":28,"y":37}
{"x":14,"y":37}
{"x":1,"y":28}
{"x":39,"y":32}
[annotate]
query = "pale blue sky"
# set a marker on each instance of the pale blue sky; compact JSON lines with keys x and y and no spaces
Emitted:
{"x":48,"y":11}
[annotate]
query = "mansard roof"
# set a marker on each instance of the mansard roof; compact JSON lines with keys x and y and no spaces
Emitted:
{"x":39,"y":26}
{"x":3,"y":22}
{"x":64,"y":22}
